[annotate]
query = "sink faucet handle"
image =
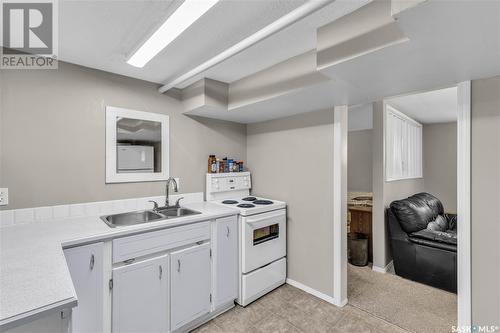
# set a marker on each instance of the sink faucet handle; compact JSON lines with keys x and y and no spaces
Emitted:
{"x":155,"y":205}
{"x":177,"y":202}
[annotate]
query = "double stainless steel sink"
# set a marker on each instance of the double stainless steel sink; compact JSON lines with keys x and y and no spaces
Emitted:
{"x":145,"y":216}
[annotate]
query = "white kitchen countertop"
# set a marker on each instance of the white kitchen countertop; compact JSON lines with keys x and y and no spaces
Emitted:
{"x":34,"y":276}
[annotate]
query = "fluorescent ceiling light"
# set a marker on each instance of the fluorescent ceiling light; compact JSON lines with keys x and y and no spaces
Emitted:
{"x":180,"y":20}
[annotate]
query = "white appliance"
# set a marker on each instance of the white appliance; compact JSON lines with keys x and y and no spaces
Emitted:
{"x":135,"y":158}
{"x":262,"y":233}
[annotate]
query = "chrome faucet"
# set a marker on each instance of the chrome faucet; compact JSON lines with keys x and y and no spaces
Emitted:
{"x":167,"y":195}
{"x":167,"y":189}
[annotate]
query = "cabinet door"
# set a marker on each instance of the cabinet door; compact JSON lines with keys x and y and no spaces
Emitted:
{"x":86,"y":269}
{"x":140,"y":296}
{"x":226,"y":261}
{"x":190,"y":284}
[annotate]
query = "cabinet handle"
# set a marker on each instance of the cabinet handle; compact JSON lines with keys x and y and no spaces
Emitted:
{"x":161,"y":271}
{"x":227,"y":235}
{"x":92,"y":261}
{"x":178,"y":265}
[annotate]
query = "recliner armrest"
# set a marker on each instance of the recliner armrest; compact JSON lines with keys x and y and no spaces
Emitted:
{"x":436,"y":236}
{"x":430,"y":243}
{"x":395,"y":230}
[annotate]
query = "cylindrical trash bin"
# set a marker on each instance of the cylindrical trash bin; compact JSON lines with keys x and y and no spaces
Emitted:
{"x":358,"y":249}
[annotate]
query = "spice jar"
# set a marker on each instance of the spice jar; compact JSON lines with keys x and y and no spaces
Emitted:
{"x":212,"y":164}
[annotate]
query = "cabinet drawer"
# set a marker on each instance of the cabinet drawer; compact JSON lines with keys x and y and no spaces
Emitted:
{"x":156,"y":241}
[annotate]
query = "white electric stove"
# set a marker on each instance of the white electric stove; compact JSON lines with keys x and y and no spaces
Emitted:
{"x":262,"y":233}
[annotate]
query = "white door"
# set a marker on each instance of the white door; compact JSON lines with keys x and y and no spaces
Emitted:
{"x":226,"y":261}
{"x":140,"y":296}
{"x":263,"y":239}
{"x":86,"y":268}
{"x":190,"y":284}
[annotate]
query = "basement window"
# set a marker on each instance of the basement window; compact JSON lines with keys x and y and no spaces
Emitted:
{"x":403,"y":146}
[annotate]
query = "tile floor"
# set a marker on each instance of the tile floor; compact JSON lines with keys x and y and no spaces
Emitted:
{"x":288,"y":309}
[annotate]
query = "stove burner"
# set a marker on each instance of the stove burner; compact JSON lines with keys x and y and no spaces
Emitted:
{"x":249,"y":199}
{"x":263,"y":202}
{"x":245,"y":206}
{"x":229,"y":202}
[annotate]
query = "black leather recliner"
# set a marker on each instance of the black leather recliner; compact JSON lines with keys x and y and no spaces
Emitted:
{"x":424,"y":241}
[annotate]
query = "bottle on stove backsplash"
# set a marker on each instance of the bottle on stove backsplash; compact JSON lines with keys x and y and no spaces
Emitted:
{"x":217,"y":165}
{"x":212,"y":164}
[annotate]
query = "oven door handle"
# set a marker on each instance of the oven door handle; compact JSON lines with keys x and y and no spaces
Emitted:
{"x":264,"y":220}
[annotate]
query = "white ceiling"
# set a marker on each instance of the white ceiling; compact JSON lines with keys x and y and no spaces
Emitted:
{"x":102,"y":34}
{"x":450,"y":41}
{"x":294,"y":40}
{"x":438,"y":106}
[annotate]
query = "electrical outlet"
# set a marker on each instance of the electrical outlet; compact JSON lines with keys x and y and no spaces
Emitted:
{"x":4,"y":196}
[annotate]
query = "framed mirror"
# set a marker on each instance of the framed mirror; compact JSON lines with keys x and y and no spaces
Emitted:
{"x":137,"y":146}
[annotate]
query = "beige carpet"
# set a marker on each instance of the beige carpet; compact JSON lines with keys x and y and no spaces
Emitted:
{"x":407,"y":304}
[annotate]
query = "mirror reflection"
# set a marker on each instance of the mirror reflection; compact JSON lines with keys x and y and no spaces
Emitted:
{"x":138,"y":145}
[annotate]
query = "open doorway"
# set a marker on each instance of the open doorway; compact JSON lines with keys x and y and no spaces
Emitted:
{"x":359,"y":185}
{"x":404,"y":299}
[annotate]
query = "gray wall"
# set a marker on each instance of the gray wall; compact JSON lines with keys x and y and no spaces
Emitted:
{"x":440,"y":163}
{"x":485,"y":191}
{"x":359,"y":161}
{"x":52,"y":136}
{"x":381,"y":251}
{"x":291,"y":159}
{"x":385,"y":192}
{"x":439,"y":177}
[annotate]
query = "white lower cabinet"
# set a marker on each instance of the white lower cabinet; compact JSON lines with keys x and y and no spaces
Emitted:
{"x":225,"y":261}
{"x":140,"y":296}
{"x":162,"y":281}
{"x":190,"y":287}
{"x":85,"y":264}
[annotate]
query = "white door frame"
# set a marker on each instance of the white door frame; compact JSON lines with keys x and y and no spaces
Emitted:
{"x":464,"y":282}
{"x":463,"y":205}
{"x":340,"y":128}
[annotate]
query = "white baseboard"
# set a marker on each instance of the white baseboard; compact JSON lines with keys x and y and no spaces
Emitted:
{"x":388,"y":268}
{"x":314,"y":292}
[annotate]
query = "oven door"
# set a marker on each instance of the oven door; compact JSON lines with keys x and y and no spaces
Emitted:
{"x":263,"y":239}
